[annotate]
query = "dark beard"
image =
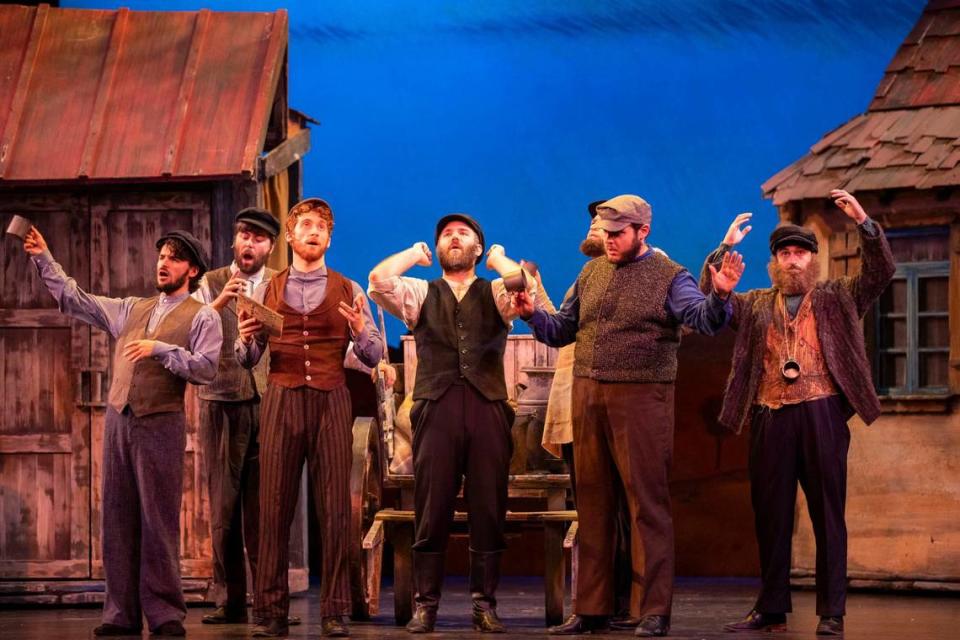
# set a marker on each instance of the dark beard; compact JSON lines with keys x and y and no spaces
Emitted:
{"x":629,"y":255}
{"x":592,"y":247}
{"x":792,"y":283}
{"x":464,"y":262}
{"x":172,"y":286}
{"x":254,"y":268}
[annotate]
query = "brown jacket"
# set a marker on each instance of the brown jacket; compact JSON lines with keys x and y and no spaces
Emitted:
{"x":838,"y":305}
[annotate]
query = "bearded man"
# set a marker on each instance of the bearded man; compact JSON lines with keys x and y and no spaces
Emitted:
{"x":461,"y":419}
{"x":800,"y":371}
{"x":163,"y":342}
{"x":306,"y":415}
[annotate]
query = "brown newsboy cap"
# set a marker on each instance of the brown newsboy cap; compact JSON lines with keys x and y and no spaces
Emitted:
{"x":617,"y":213}
{"x":791,"y":234}
{"x":260,"y":218}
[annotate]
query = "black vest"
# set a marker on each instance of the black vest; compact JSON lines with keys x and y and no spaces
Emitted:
{"x":460,"y":341}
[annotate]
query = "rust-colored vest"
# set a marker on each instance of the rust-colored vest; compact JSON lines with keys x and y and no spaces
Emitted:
{"x":802,"y":344}
{"x":147,"y":386}
{"x":311,"y":349}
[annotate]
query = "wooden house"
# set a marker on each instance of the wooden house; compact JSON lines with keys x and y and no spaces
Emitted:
{"x":114,"y":127}
{"x":902,"y":160}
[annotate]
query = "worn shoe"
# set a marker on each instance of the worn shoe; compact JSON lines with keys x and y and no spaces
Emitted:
{"x":273,"y":628}
{"x":830,"y":626}
{"x":333,"y":627}
{"x":484,"y":579}
{"x":486,"y":620}
{"x":292,"y":621}
{"x":107,"y":629}
{"x":423,"y":621}
{"x":756,"y":621}
{"x":653,"y":627}
{"x":577,"y":625}
{"x":221,"y":615}
{"x":169,"y":628}
{"x":627,"y":622}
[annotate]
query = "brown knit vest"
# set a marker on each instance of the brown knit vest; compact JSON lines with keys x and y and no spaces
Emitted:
{"x":233,"y":382}
{"x":625,"y":333}
{"x":311,"y":349}
{"x":802,"y":344}
{"x":147,"y":386}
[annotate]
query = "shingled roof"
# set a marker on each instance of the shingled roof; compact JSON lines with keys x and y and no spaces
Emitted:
{"x":910,"y":135}
{"x":135,"y":95}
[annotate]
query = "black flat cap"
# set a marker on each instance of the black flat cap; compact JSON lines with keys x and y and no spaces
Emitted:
{"x":467,"y":220}
{"x":592,"y":207}
{"x":260,"y":218}
{"x":191,"y":243}
{"x":791,"y":234}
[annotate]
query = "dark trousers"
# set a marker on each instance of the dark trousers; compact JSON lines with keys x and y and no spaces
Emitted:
{"x":624,"y":442}
{"x":231,"y":453}
{"x":296,"y":425}
{"x":805,"y":442}
{"x":461,"y":437}
{"x":142,"y":491}
{"x":622,"y":570}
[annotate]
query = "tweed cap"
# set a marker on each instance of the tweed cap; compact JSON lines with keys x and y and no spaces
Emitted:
{"x":618,"y":213}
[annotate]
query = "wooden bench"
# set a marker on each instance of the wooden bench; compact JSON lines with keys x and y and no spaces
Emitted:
{"x":396,"y":527}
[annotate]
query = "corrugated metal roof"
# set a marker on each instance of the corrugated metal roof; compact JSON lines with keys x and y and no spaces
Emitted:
{"x":909,"y":137}
{"x":108,"y":95}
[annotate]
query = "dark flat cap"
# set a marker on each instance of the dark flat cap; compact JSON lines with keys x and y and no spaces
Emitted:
{"x":467,"y":220}
{"x":791,"y":234}
{"x":592,"y":207}
{"x":193,"y":245}
{"x":260,"y":218}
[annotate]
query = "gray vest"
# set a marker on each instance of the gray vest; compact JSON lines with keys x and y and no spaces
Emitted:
{"x":625,"y":333}
{"x":147,"y":386}
{"x":233,"y":383}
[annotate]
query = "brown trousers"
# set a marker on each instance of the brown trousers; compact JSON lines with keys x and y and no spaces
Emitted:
{"x":231,"y":454}
{"x":296,"y":425}
{"x":623,"y":441}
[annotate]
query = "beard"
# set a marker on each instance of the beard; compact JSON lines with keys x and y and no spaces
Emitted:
{"x":463,"y":259}
{"x":629,"y":254}
{"x":592,"y":247}
{"x":173,"y":285}
{"x":308,"y":252}
{"x":248,"y":262}
{"x":793,"y":281}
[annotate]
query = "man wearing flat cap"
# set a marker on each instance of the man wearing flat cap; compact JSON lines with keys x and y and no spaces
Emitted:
{"x":163,"y":342}
{"x":460,"y":417}
{"x":306,"y":415}
{"x":625,"y":313}
{"x":230,"y":418}
{"x":800,"y":371}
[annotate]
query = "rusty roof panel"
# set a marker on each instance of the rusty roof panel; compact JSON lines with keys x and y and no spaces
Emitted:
{"x":135,"y":94}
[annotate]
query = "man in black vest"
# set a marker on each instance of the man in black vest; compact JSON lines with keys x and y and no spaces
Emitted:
{"x":461,"y":420}
{"x":229,"y":417}
{"x":625,"y":312}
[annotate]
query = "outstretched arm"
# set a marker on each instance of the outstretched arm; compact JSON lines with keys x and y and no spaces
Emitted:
{"x":877,"y":266}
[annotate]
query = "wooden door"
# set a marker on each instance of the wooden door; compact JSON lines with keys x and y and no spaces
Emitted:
{"x":124,"y":231}
{"x":45,"y":382}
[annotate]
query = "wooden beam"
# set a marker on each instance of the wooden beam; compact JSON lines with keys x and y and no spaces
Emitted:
{"x":285,"y":154}
{"x":174,"y":133}
{"x":23,"y":87}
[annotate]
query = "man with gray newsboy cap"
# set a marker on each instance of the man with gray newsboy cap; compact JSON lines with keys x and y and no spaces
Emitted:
{"x":625,"y":312}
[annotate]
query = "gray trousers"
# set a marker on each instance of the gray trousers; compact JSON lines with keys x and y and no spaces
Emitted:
{"x":142,"y":491}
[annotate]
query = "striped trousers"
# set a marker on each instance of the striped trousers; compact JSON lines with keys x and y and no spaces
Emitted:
{"x":298,"y":425}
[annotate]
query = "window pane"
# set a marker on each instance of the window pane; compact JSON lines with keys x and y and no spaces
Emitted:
{"x":933,"y":369}
{"x":893,"y":333}
{"x":934,"y":332}
{"x":893,"y":370}
{"x":894,"y":299}
{"x":933,"y":294}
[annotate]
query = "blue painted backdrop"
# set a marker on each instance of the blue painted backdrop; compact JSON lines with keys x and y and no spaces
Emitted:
{"x":521,"y":113}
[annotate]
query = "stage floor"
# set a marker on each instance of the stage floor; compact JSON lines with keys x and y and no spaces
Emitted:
{"x":700,"y":609}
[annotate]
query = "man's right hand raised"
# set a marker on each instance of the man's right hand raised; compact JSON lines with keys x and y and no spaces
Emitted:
{"x":33,"y":243}
{"x":735,"y":234}
{"x":424,"y":256}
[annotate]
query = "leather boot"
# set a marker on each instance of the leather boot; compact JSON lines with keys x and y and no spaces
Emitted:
{"x":484,"y":578}
{"x":428,"y":580}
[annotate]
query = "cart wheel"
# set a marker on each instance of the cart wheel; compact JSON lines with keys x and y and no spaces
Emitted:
{"x":366,"y":490}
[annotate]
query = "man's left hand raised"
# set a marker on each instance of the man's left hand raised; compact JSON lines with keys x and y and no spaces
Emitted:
{"x":725,"y":278}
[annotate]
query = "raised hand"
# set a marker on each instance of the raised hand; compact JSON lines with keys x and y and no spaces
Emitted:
{"x":424,"y":257}
{"x":735,"y":234}
{"x":234,"y":287}
{"x":494,"y":253}
{"x":33,"y":243}
{"x":138,"y":349}
{"x":849,"y":205}
{"x":355,"y":315}
{"x":727,"y":277}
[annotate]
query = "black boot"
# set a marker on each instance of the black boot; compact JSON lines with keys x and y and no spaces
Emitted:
{"x":428,"y":579}
{"x":484,"y":578}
